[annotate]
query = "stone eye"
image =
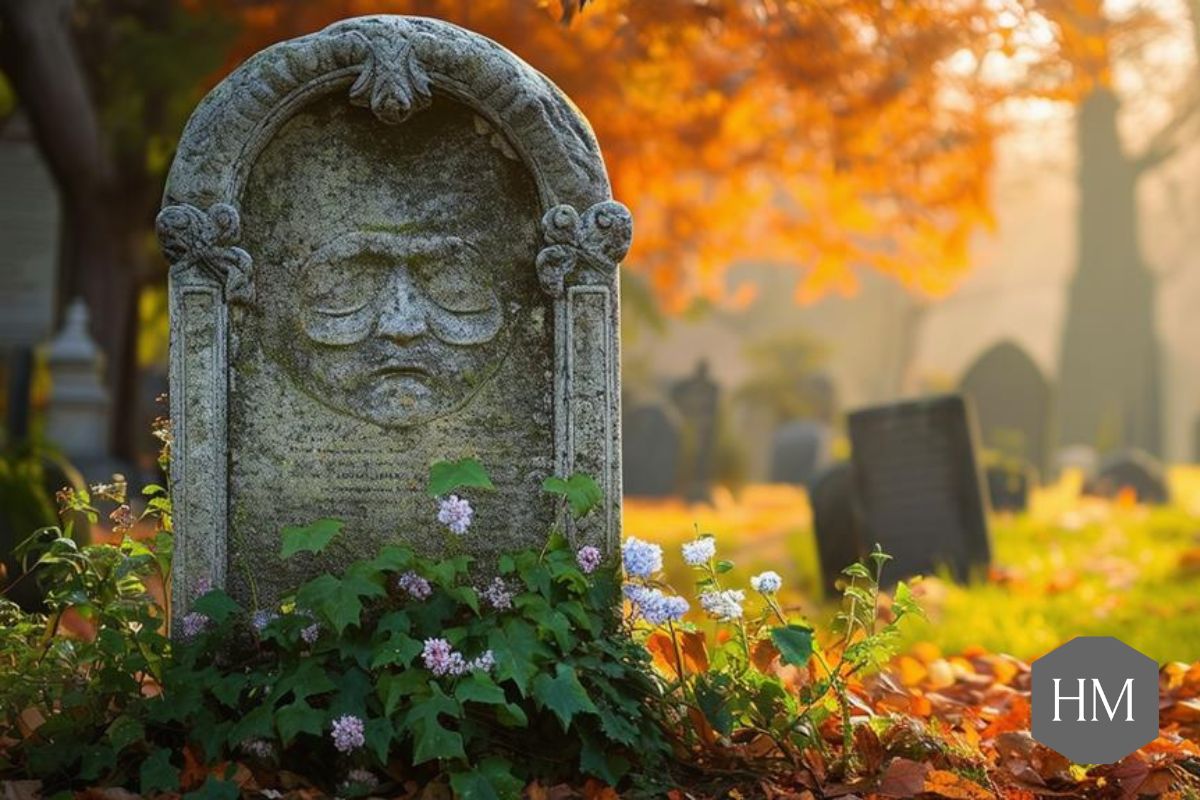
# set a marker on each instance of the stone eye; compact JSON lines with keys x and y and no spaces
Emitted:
{"x":339,"y":288}
{"x":454,"y":280}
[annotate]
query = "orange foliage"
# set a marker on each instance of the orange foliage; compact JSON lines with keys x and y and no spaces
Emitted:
{"x":831,"y":136}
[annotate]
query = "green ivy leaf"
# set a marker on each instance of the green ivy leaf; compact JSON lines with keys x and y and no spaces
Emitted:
{"x":795,"y":644}
{"x":340,"y":601}
{"x":298,"y":718}
{"x":563,"y":694}
{"x":580,"y":491}
{"x":516,"y":646}
{"x":215,"y":789}
{"x":446,"y":476}
{"x":493,"y":779}
{"x":312,"y":538}
{"x":217,"y":606}
{"x":394,"y":687}
{"x":479,"y":688}
{"x":431,"y":739}
{"x":399,"y":649}
{"x":157,"y":775}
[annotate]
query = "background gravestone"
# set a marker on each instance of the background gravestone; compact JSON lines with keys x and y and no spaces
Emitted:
{"x":799,"y":450}
{"x":921,"y":486}
{"x":1131,"y":469}
{"x":837,"y":522}
{"x":696,"y":398}
{"x":1009,"y":483}
{"x":391,"y":243}
{"x":650,"y":452}
{"x":29,"y":231}
{"x":1012,"y":400}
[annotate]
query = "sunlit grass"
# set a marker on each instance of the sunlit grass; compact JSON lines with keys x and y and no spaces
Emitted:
{"x":1071,"y":566}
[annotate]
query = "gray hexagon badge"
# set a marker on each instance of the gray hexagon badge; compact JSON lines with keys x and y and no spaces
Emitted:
{"x":1095,"y":699}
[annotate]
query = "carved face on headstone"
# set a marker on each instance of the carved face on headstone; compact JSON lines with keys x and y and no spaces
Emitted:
{"x":399,"y":329}
{"x":399,"y":298}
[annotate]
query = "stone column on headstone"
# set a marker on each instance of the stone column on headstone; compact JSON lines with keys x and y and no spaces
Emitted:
{"x":78,"y":411}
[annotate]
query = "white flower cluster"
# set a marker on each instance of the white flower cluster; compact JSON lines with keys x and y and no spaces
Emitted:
{"x":641,"y":559}
{"x":655,"y":606}
{"x":723,"y":604}
{"x":766,"y":582}
{"x":497,"y":594}
{"x":699,"y":552}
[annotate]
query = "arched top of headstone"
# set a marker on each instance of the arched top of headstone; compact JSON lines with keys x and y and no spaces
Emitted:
{"x":394,"y":66}
{"x":1006,"y":358}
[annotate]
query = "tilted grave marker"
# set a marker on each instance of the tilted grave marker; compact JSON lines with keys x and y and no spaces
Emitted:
{"x":799,"y":450}
{"x":921,"y":486}
{"x":696,"y":397}
{"x":650,"y":458}
{"x":392,"y":242}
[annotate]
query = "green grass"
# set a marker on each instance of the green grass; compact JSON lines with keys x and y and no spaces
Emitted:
{"x":1071,"y":567}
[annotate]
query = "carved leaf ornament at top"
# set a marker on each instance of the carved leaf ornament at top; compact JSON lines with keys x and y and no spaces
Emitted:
{"x":393,"y":83}
{"x":191,"y":238}
{"x":594,"y":242}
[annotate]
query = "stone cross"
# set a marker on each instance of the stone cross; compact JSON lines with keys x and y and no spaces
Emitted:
{"x":392,"y":243}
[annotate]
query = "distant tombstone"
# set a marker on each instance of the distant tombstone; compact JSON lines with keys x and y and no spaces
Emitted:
{"x":1012,"y":403}
{"x":1134,"y":470}
{"x":799,"y":450}
{"x":29,"y":231}
{"x":821,"y":396}
{"x":392,"y":242}
{"x":1009,"y":485}
{"x":78,"y":410}
{"x":650,"y":452}
{"x":696,"y":397}
{"x":837,"y":522}
{"x":1080,"y":457}
{"x":921,"y":485}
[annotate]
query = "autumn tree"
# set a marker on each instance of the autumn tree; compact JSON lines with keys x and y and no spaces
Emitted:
{"x":830,"y":137}
{"x":1110,"y":385}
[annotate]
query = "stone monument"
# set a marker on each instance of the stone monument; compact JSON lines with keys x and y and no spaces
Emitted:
{"x":650,"y":458}
{"x":800,"y":449}
{"x":77,"y":413}
{"x":696,"y":398}
{"x":392,"y":242}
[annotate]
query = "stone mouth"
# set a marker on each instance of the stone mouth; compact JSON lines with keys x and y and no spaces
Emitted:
{"x":402,"y":371}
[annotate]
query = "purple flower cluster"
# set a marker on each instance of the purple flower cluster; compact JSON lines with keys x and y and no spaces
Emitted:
{"x":417,"y":587}
{"x":455,"y":513}
{"x":497,"y":594}
{"x":348,"y":733}
{"x":655,"y":606}
{"x":262,"y":618}
{"x":192,"y":625}
{"x":589,"y":559}
{"x":441,"y":659}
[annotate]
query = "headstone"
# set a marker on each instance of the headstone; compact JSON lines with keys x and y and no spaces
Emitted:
{"x":392,"y":242}
{"x":650,"y":452}
{"x":696,"y":398}
{"x":820,"y":395}
{"x":799,"y":450}
{"x":1134,"y":470}
{"x":921,"y":485}
{"x":78,"y":409}
{"x":29,"y":230}
{"x":1012,"y":403}
{"x":837,"y":522}
{"x":1009,"y":484}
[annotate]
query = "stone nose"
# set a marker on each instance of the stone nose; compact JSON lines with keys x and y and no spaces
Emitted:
{"x":403,"y":316}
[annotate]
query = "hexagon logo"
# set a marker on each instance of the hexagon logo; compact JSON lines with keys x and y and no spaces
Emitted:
{"x":1095,"y":699}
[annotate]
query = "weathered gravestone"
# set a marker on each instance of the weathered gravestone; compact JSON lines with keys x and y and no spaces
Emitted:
{"x":799,"y":450}
{"x":696,"y":398}
{"x":650,"y":452}
{"x":921,"y":486}
{"x":1134,"y":470}
{"x":392,"y":242}
{"x":1012,"y":400}
{"x":837,"y":522}
{"x":29,"y":233}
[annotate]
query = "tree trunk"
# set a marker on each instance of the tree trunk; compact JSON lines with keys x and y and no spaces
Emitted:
{"x":1110,"y":376}
{"x":39,"y":57}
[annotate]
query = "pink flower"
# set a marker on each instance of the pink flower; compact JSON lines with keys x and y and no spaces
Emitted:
{"x":348,"y":733}
{"x":589,"y":559}
{"x":455,"y":513}
{"x":417,"y":587}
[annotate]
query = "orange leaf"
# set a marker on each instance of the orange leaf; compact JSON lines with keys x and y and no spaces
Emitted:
{"x":692,"y":651}
{"x":903,"y":778}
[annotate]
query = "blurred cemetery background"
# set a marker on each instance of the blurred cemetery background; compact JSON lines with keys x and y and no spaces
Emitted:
{"x":927,"y":275}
